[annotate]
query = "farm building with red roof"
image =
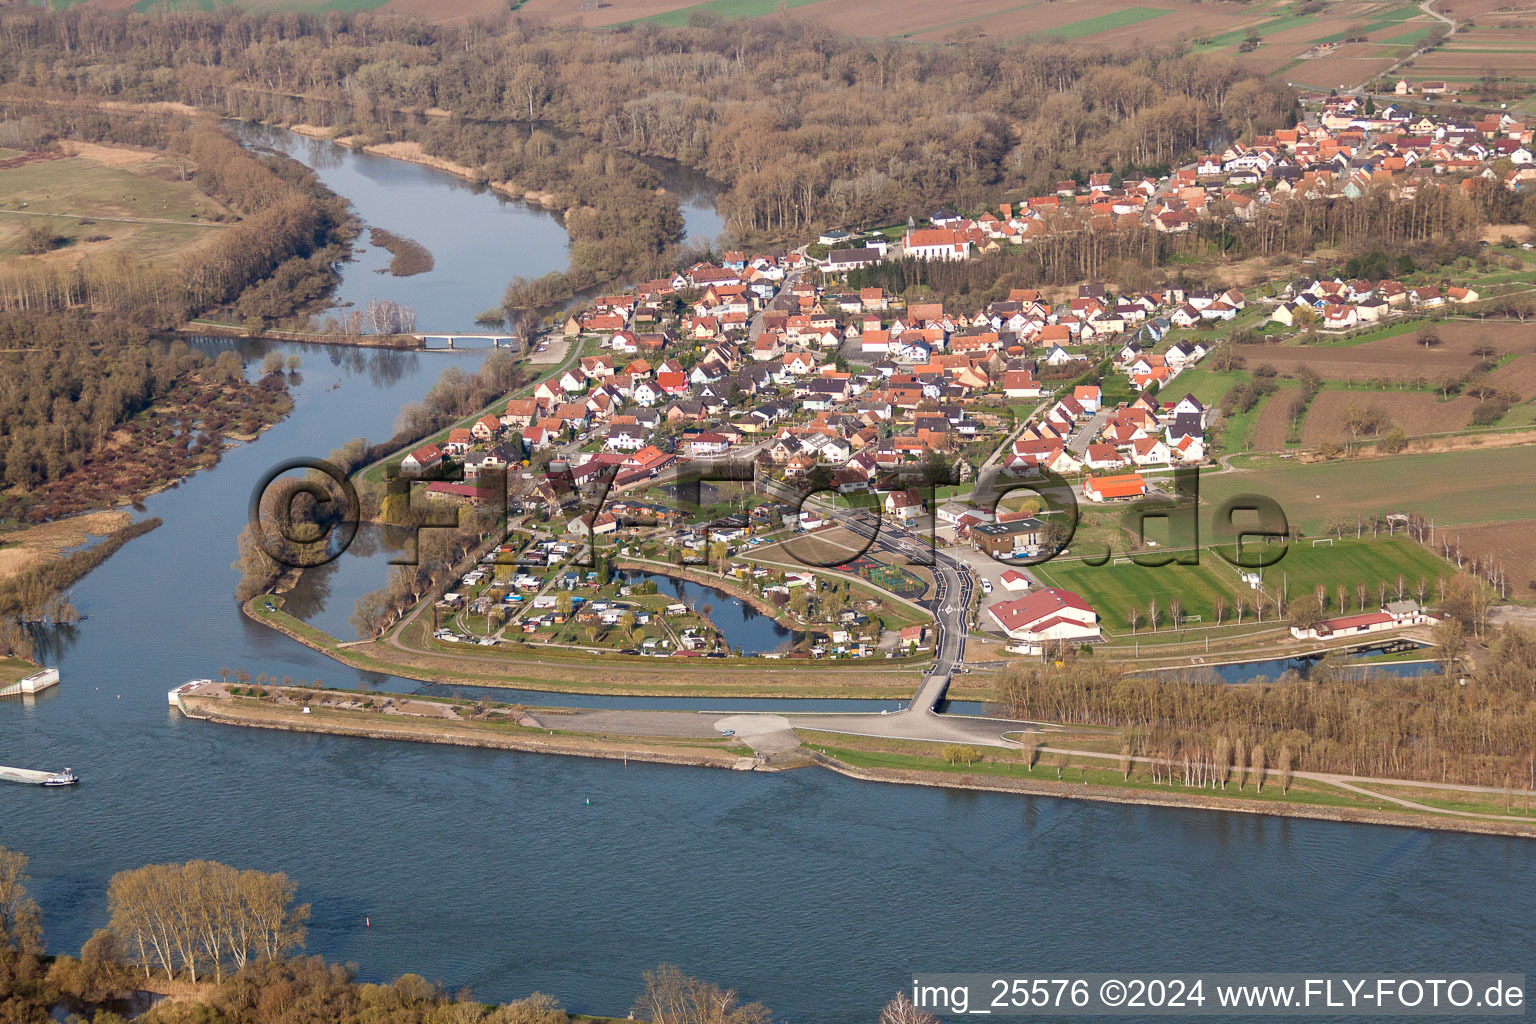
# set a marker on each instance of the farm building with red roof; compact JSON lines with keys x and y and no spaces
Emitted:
{"x":1050,"y":613}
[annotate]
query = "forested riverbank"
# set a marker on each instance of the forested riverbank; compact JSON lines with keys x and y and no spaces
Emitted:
{"x":1468,"y":725}
{"x":95,"y":407}
{"x":803,"y":128}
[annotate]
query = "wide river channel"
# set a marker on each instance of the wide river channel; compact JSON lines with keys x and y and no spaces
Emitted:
{"x":510,"y":872}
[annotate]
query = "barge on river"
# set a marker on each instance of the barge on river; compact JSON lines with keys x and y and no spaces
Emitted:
{"x":37,"y":778}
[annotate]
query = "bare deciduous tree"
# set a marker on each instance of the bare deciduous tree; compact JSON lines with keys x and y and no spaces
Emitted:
{"x":21,"y":923}
{"x":204,"y":916}
{"x":901,"y":1010}
{"x":672,"y":997}
{"x":1223,"y":761}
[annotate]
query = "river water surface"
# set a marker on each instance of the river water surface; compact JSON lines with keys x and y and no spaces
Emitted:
{"x":511,"y":872}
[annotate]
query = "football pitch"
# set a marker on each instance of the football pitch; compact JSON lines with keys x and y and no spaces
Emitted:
{"x":1117,"y":587}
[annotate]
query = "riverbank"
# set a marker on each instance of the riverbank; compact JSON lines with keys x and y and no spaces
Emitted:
{"x":22,"y":547}
{"x":684,"y":738}
{"x":411,"y":152}
{"x":35,"y":593}
{"x":1081,"y":776}
{"x":1186,"y":801}
{"x":514,"y":729}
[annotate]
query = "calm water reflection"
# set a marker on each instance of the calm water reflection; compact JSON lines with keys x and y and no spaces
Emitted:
{"x":744,"y":627}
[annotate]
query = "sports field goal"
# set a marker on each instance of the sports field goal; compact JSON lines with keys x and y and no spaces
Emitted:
{"x":1323,"y":540}
{"x":1122,"y":561}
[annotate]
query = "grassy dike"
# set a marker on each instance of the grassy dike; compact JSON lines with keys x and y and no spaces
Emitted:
{"x":916,"y":763}
{"x":15,"y":669}
{"x":499,"y":735}
{"x":1065,"y":775}
{"x":615,"y":675}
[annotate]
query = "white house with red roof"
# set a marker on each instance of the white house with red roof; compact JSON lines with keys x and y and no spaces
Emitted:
{"x":1049,"y":614}
{"x":904,"y":505}
{"x":486,"y":428}
{"x":591,"y":524}
{"x":936,"y":244}
{"x":423,"y":458}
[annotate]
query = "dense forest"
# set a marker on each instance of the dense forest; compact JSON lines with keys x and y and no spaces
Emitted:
{"x":1473,"y":726}
{"x":803,"y":128}
{"x":91,"y":410}
{"x":224,"y":939}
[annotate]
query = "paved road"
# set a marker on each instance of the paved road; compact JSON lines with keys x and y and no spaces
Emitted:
{"x":118,"y":220}
{"x":949,"y":603}
{"x":1078,"y":443}
{"x":780,"y":300}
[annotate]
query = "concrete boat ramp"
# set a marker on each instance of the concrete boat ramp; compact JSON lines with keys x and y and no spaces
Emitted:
{"x":35,"y":683}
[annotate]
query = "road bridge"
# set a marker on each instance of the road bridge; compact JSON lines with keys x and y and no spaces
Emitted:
{"x":449,"y":338}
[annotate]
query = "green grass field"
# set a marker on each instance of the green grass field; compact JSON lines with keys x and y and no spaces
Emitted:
{"x":12,"y":669}
{"x":1270,"y":27}
{"x":726,"y":9}
{"x":1208,"y":385}
{"x":1104,"y":22}
{"x":1113,"y":589}
{"x":1469,"y":486}
{"x":157,"y":218}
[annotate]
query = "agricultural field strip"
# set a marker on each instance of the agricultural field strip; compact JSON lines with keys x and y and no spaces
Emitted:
{"x":1459,"y":487}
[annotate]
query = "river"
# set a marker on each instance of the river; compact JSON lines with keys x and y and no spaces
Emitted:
{"x":814,"y":893}
{"x":479,"y":238}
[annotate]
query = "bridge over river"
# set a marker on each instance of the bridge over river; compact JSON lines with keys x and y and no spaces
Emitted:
{"x":448,"y":338}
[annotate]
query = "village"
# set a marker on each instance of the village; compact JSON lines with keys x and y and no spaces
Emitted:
{"x":775,"y":361}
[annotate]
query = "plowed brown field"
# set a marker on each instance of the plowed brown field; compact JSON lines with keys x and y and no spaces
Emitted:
{"x":1274,"y":421}
{"x":1402,"y":359}
{"x":1415,"y":411}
